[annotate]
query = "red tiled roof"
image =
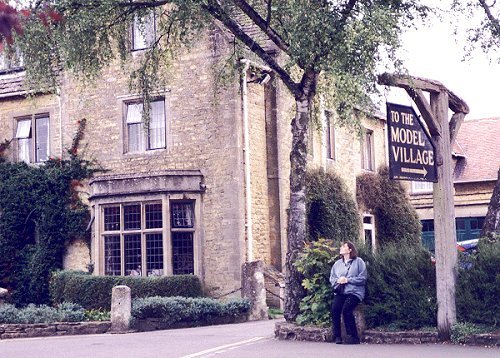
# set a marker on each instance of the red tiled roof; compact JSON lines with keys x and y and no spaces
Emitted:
{"x":479,"y":142}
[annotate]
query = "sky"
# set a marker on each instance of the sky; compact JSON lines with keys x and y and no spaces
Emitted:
{"x":432,"y":52}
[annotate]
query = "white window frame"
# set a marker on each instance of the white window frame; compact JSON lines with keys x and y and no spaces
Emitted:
{"x":421,"y":187}
{"x":143,"y":32}
{"x":370,"y":227}
{"x":148,"y":138}
{"x":27,"y":135}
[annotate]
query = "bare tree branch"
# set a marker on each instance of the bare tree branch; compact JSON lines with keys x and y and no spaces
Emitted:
{"x":218,"y":13}
{"x":262,"y":24}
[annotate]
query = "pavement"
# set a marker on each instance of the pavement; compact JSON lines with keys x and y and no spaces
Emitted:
{"x":249,"y":339}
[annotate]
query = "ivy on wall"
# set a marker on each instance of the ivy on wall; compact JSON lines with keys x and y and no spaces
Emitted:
{"x":395,"y":218}
{"x":40,"y":211}
{"x":331,"y":210}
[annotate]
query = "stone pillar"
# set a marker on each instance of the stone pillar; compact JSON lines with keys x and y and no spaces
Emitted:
{"x":253,"y":288}
{"x":121,"y":306}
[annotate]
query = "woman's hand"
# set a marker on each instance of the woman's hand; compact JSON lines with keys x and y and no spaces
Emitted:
{"x":342,"y":280}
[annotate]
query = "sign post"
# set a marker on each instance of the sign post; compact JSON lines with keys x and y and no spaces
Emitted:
{"x":407,"y":150}
{"x":411,"y":153}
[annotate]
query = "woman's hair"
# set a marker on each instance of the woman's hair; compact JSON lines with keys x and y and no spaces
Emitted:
{"x":354,"y":251}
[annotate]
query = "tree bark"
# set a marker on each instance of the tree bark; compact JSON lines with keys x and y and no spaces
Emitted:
{"x":297,"y":230}
{"x":492,"y":220}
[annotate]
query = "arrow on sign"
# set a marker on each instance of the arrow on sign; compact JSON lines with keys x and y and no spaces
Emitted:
{"x":422,"y":171}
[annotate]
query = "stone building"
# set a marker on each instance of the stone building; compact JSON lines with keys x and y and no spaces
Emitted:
{"x":476,"y":154}
{"x":205,"y":187}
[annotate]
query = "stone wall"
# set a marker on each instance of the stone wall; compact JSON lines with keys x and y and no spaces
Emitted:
{"x":8,"y":331}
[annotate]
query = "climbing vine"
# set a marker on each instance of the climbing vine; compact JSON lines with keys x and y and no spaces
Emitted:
{"x":40,"y":212}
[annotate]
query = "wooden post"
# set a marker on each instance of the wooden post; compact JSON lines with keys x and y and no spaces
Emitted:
{"x":444,"y":220}
{"x":442,"y":133}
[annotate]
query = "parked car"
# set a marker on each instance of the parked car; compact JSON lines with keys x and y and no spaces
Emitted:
{"x":467,"y":248}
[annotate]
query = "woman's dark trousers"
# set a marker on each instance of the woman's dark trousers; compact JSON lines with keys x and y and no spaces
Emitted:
{"x":344,"y":305}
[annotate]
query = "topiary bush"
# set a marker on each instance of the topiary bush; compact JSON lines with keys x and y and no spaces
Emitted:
{"x":94,"y":292}
{"x":315,"y":263}
{"x":478,"y":285}
{"x":196,"y":311}
{"x":401,"y":287}
{"x":396,"y":220}
{"x":331,"y":210}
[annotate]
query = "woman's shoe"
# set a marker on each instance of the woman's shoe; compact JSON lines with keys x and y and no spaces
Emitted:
{"x":338,"y":340}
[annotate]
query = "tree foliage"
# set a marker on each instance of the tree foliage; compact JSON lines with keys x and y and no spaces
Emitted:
{"x":483,"y":23}
{"x":40,"y":212}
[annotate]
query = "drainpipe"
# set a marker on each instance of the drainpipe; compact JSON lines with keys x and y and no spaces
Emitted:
{"x":61,"y":140}
{"x":246,"y":140}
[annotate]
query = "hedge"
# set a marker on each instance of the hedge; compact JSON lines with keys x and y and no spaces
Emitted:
{"x":195,"y":311}
{"x":94,"y":292}
{"x":66,"y":312}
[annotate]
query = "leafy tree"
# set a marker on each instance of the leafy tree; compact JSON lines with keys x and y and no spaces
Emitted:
{"x":324,"y":46}
{"x":485,"y":32}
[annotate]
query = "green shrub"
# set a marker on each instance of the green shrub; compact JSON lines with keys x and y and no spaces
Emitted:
{"x":331,"y":211}
{"x":41,"y":314}
{"x":97,"y":315}
{"x":396,"y":220}
{"x":478,"y":287}
{"x":401,"y":287}
{"x":315,"y":263}
{"x":462,"y":330}
{"x":171,"y":310}
{"x":94,"y":292}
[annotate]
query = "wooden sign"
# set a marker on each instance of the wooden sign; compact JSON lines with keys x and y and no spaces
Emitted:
{"x":411,"y":153}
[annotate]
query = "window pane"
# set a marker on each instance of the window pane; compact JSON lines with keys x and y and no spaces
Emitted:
{"x":23,"y":148}
{"x":154,"y":254}
{"x":132,"y":217}
{"x":182,"y":215}
{"x":157,"y":125}
{"x":42,"y":139}
{"x":112,"y":255}
{"x":143,"y":33}
{"x":154,"y":217}
{"x":112,"y":218}
{"x":134,"y":113}
{"x":135,"y":137}
{"x":182,"y":251}
{"x":132,"y":247}
{"x":23,"y":128}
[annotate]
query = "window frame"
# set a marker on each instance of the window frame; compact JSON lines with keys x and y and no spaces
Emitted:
{"x":123,"y":233}
{"x":368,"y":150}
{"x":144,"y":140}
{"x":34,"y":153}
{"x":425,"y":189}
{"x":167,"y":232}
{"x":11,"y":61}
{"x":135,"y":31}
{"x":330,"y":139}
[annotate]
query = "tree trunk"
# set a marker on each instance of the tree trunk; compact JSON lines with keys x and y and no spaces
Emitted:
{"x":294,"y":291}
{"x":492,"y":221}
